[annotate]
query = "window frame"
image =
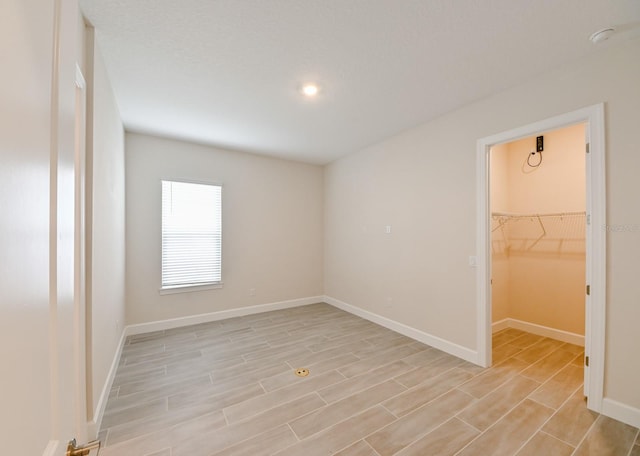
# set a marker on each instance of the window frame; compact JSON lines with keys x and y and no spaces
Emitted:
{"x":186,"y":288}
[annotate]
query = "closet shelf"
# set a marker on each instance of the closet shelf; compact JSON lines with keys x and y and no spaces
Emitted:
{"x":555,"y":231}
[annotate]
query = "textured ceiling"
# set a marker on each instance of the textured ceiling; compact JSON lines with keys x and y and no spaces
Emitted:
{"x":228,"y":72}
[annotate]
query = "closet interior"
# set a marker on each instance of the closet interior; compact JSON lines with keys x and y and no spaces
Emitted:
{"x":538,"y":227}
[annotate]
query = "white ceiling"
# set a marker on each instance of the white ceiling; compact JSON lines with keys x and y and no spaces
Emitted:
{"x":228,"y":72}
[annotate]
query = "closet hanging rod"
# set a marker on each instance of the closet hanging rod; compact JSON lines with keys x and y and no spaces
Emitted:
{"x":550,"y":214}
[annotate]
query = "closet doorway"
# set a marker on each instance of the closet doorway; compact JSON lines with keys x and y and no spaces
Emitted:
{"x":540,"y":257}
{"x":537,"y":193}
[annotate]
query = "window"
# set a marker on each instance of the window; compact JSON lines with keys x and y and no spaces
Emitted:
{"x":191,"y":234}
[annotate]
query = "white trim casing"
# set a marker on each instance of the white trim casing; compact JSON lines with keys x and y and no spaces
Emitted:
{"x":449,"y":347}
{"x":596,"y":251}
{"x":595,"y":246}
{"x":483,"y":257}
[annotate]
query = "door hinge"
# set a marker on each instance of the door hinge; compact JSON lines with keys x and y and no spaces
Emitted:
{"x":588,"y":219}
{"x":587,"y":148}
{"x":586,"y":361}
{"x":588,"y":290}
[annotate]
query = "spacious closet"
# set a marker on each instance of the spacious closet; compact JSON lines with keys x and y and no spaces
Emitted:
{"x":538,"y":200}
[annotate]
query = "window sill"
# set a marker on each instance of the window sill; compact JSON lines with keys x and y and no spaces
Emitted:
{"x":190,"y":288}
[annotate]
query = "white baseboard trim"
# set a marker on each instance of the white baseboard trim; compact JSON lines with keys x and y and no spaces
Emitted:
{"x":540,"y":330}
{"x":94,"y":425}
{"x":421,"y":336}
{"x":621,"y":412}
{"x":500,"y":325}
{"x":142,"y":328}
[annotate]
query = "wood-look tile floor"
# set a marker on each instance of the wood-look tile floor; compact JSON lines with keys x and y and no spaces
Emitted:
{"x":229,"y":388}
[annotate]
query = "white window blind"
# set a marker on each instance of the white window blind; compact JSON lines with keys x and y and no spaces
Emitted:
{"x":191,"y":234}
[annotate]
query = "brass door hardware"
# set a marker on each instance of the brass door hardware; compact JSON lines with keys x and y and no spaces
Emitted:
{"x":83,"y":450}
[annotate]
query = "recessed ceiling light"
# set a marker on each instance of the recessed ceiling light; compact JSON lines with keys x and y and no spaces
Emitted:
{"x":601,"y":35}
{"x":310,"y":90}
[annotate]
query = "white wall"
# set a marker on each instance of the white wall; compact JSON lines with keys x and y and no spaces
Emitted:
{"x":422,"y":182}
{"x":272,"y":216}
{"x":106,"y":258}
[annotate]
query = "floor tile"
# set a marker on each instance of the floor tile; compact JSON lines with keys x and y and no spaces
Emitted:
{"x":406,"y":430}
{"x":235,"y":433}
{"x":492,"y":407}
{"x":266,"y":443}
{"x":504,"y":352}
{"x":135,"y":412}
{"x":165,"y":452}
{"x":167,"y":437}
{"x":376,"y":359}
{"x":446,"y":440}
{"x":572,"y":421}
{"x":548,"y":366}
{"x":433,"y":369}
{"x":525,"y":340}
{"x":425,"y":356}
{"x":484,"y":383}
{"x":540,"y":349}
{"x":160,"y":421}
{"x":506,"y":436}
{"x":545,"y":444}
{"x":560,"y":387}
{"x":360,"y":448}
{"x":502,"y":338}
{"x":573,"y":348}
{"x":228,"y":388}
{"x":327,"y":416}
{"x":341,"y":435}
{"x":607,"y":437}
{"x":352,"y":385}
{"x":425,"y":392}
{"x":259,"y":404}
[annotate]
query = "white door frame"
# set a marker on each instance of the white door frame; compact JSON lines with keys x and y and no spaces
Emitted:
{"x":68,"y":411}
{"x":595,"y":303}
{"x":80,"y":338}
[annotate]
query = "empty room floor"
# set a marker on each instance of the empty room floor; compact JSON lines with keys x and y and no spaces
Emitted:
{"x":230,"y":388}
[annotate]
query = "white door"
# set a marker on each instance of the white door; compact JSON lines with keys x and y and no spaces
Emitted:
{"x":42,"y":389}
